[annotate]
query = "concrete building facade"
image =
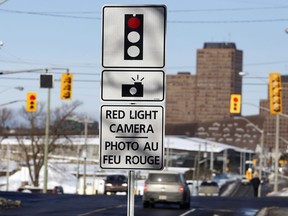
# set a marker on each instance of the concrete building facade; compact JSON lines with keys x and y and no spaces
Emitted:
{"x":206,"y":95}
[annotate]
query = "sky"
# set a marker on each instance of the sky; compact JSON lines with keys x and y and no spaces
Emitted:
{"x":67,"y":34}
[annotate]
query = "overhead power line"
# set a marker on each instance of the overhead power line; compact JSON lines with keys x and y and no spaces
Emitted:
{"x":48,"y":14}
{"x":225,"y":21}
{"x":64,"y":15}
{"x":226,"y":9}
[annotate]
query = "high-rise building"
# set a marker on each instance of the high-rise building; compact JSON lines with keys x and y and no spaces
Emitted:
{"x":206,"y":95}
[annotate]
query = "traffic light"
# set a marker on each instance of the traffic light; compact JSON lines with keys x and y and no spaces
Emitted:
{"x":235,"y":103}
{"x":249,"y":174}
{"x":275,"y":93}
{"x":66,"y":86}
{"x":31,"y":102}
{"x":133,"y":37}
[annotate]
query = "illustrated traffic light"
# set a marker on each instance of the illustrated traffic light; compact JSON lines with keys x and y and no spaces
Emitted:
{"x":31,"y":102}
{"x":66,"y":86}
{"x":235,"y":103}
{"x":275,"y":93}
{"x":133,"y":37}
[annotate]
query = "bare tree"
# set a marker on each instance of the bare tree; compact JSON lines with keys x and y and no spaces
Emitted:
{"x":5,"y":117}
{"x":32,"y":142}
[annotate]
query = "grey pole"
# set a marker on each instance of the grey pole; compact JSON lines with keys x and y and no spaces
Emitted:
{"x":85,"y":156}
{"x":276,"y":154}
{"x":130,"y":197}
{"x":46,"y":143}
{"x":261,"y":160}
{"x":8,"y":166}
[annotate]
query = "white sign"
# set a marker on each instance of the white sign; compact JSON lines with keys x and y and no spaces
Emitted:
{"x":133,"y":36}
{"x":131,"y":137}
{"x":132,"y":85}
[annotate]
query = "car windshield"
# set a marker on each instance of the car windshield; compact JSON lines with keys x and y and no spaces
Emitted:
{"x":163,"y":178}
{"x":116,"y":178}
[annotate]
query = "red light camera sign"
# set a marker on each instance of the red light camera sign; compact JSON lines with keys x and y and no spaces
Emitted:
{"x":133,"y":36}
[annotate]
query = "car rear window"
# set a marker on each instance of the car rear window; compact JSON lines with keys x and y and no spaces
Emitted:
{"x":166,"y":178}
{"x":209,"y":184}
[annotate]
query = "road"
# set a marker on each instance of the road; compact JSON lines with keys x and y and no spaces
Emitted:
{"x":241,"y":203}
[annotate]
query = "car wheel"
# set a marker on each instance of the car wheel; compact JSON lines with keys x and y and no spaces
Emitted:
{"x":145,"y":204}
{"x":184,"y":205}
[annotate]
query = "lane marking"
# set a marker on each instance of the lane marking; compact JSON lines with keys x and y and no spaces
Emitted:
{"x":188,"y":212}
{"x":99,"y":210}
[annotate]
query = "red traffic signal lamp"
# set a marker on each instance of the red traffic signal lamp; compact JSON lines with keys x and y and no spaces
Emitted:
{"x":235,"y":103}
{"x":31,"y":102}
{"x":133,"y":37}
{"x":66,"y":86}
{"x":275,"y":93}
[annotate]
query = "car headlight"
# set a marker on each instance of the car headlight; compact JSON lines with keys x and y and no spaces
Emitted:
{"x":124,"y":184}
{"x":108,"y":185}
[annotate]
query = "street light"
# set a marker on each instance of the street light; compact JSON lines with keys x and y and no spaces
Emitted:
{"x":2,"y":1}
{"x":261,"y":145}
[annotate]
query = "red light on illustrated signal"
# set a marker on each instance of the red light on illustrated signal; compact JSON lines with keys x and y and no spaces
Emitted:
{"x":235,"y":99}
{"x":32,"y":97}
{"x":134,"y":22}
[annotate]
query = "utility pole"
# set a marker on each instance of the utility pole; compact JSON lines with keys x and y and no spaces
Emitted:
{"x":46,"y":143}
{"x":276,"y":154}
{"x":85,"y":156}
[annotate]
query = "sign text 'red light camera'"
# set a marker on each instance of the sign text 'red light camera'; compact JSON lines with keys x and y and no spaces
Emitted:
{"x":132,"y":136}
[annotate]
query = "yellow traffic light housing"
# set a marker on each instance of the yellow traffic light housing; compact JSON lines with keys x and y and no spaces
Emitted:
{"x":31,"y":102}
{"x":66,"y":86}
{"x":235,"y":103}
{"x":275,"y":93}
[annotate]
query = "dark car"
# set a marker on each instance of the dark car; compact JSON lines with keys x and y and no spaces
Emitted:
{"x":58,"y":190}
{"x":116,"y":183}
{"x":208,"y":188}
{"x":166,"y":187}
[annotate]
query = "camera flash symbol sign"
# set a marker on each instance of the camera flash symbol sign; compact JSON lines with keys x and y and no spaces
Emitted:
{"x":133,"y":90}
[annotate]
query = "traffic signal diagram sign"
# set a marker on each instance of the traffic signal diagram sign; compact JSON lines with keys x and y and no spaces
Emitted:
{"x":66,"y":86}
{"x":275,"y":93}
{"x":31,"y":102}
{"x":235,"y":103}
{"x":133,"y":36}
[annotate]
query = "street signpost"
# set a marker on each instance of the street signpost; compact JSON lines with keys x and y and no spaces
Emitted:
{"x":133,"y":61}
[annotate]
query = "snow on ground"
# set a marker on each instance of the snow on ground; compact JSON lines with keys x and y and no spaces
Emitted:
{"x":61,"y":175}
{"x":56,"y":177}
{"x":282,"y":193}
